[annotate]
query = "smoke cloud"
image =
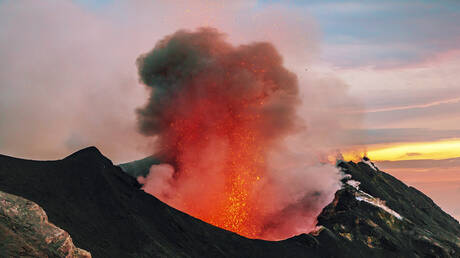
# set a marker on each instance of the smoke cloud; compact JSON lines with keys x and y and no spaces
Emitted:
{"x":222,"y":114}
{"x":67,"y":72}
{"x":200,"y":74}
{"x":68,"y":80}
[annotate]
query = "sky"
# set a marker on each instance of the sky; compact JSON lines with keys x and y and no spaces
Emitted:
{"x":383,"y":74}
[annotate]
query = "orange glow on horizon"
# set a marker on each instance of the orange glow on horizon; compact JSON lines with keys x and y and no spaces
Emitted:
{"x":436,"y":150}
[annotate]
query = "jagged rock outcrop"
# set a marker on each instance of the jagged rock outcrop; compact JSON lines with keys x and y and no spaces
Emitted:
{"x":26,"y":232}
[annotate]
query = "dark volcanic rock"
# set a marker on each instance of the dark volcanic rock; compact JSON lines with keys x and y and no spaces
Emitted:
{"x":107,"y":214}
{"x":431,"y":224}
{"x":26,"y":232}
{"x":385,"y":214}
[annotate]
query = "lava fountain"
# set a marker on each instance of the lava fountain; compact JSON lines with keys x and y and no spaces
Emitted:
{"x":218,"y":111}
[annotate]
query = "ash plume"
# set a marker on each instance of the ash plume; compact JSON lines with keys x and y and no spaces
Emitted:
{"x":188,"y":69}
{"x":221,"y":114}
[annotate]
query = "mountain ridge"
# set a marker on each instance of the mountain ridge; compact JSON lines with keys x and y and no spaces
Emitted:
{"x":106,"y":213}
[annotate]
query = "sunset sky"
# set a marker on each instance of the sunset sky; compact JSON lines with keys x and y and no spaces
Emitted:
{"x":68,"y":77}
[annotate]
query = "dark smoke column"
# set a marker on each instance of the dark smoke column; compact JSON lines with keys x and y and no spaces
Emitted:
{"x":217,"y":111}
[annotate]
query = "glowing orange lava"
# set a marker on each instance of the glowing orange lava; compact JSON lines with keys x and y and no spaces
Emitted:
{"x":231,"y":207}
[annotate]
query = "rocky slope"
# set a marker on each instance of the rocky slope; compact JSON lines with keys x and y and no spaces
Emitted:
{"x":26,"y":232}
{"x":375,"y":209}
{"x":107,"y":214}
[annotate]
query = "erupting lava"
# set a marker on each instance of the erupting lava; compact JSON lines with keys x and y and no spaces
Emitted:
{"x":233,"y":207}
{"x":218,"y":111}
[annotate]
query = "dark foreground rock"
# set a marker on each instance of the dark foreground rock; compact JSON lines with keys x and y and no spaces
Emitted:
{"x":26,"y":232}
{"x":107,"y":214}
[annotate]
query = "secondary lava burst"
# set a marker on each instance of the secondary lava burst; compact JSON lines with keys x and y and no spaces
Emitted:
{"x":218,"y":111}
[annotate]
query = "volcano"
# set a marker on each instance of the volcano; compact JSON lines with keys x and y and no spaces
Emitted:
{"x":106,"y":213}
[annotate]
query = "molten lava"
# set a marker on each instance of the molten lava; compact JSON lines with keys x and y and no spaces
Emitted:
{"x":233,"y":206}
